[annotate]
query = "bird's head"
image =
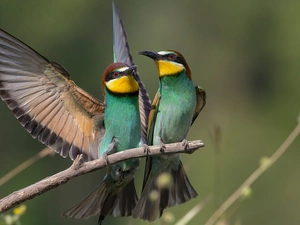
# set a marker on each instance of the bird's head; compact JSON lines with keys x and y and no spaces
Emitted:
{"x":168,"y":62}
{"x":118,"y":78}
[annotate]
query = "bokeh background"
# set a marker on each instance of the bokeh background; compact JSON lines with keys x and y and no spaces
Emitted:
{"x":244,"y":53}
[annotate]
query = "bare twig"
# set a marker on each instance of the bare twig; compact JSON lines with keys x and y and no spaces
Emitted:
{"x":79,"y":168}
{"x":259,"y":171}
{"x":43,"y":153}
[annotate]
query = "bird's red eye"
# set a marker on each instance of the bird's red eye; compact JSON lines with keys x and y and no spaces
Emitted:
{"x":116,"y":74}
{"x":171,"y":56}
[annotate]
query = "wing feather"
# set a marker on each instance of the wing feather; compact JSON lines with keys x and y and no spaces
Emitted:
{"x":151,"y":125}
{"x":201,"y":101}
{"x":122,"y":54}
{"x":47,"y":103}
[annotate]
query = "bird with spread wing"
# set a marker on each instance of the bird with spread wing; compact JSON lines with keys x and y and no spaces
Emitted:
{"x":64,"y":117}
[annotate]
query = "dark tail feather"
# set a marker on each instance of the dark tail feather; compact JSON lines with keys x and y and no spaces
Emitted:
{"x":105,"y":201}
{"x":121,"y":204}
{"x":90,"y":206}
{"x":179,"y":192}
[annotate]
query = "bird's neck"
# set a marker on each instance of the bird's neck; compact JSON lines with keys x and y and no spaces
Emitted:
{"x":124,"y":106}
{"x":175,"y":81}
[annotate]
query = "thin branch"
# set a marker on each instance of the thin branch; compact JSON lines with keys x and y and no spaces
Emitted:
{"x":194,"y":211}
{"x":259,"y":171}
{"x":79,"y":168}
{"x":43,"y":153}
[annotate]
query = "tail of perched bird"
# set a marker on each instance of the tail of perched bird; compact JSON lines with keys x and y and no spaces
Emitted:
{"x":168,"y":188}
{"x":106,"y":199}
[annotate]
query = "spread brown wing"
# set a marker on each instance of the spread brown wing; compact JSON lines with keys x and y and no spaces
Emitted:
{"x":151,"y":124}
{"x":47,"y":103}
{"x":201,"y":101}
{"x":122,"y":54}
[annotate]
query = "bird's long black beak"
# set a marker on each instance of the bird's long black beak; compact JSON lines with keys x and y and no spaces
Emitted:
{"x":152,"y":55}
{"x":130,"y":70}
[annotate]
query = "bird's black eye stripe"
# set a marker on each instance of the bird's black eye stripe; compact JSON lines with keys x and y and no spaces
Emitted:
{"x":180,"y":60}
{"x":112,"y":75}
{"x":175,"y":58}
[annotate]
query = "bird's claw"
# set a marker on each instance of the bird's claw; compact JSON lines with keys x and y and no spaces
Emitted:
{"x":185,"y":144}
{"x":146,"y":149}
{"x":105,"y":157}
{"x":162,"y":147}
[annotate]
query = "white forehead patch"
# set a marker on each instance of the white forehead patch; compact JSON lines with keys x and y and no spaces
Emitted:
{"x":122,"y":69}
{"x":164,"y":52}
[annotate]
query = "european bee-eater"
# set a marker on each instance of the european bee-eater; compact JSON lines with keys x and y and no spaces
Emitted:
{"x":175,"y":107}
{"x":116,"y":194}
{"x":69,"y":120}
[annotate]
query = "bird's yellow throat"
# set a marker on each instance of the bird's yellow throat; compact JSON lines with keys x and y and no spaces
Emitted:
{"x":123,"y":85}
{"x":168,"y":68}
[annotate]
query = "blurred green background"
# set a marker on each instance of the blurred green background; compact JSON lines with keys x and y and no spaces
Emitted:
{"x":244,"y":53}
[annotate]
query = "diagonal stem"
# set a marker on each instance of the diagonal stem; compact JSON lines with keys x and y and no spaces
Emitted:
{"x":256,"y":174}
{"x":43,"y":153}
